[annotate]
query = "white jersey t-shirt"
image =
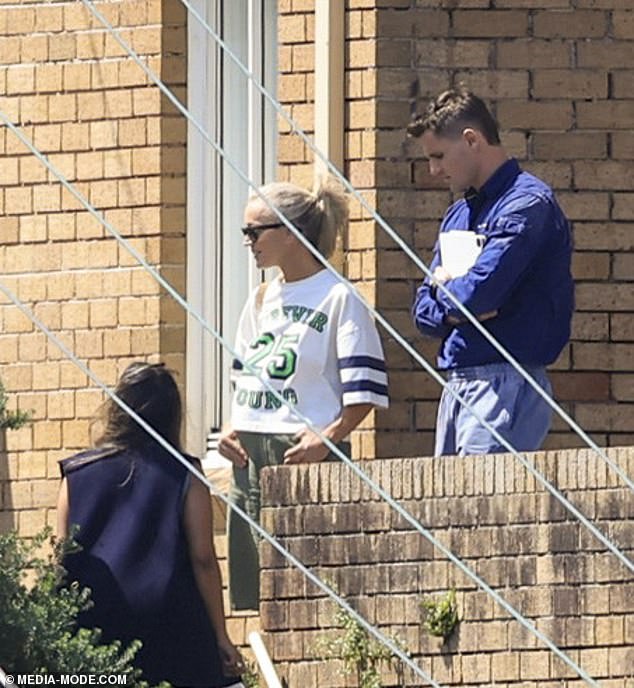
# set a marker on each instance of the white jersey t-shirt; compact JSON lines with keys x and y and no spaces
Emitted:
{"x":317,"y":345}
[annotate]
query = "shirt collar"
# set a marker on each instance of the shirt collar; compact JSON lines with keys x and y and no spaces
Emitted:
{"x":494,"y":185}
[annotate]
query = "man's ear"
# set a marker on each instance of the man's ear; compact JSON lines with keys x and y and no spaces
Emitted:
{"x":471,"y":136}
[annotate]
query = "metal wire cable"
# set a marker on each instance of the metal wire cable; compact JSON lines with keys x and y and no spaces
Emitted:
{"x":388,"y":642}
{"x":352,"y":465}
{"x":297,"y":129}
{"x":249,"y":183}
{"x":523,"y":460}
{"x":190,"y":311}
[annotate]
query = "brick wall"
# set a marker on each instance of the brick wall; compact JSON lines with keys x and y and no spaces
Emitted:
{"x":557,"y":76}
{"x":491,"y":514}
{"x":92,"y":112}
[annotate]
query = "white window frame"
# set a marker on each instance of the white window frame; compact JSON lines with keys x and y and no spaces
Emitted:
{"x":225,"y":103}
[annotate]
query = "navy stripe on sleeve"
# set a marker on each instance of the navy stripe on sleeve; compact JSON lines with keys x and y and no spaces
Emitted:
{"x":364,"y":386}
{"x":362,"y":362}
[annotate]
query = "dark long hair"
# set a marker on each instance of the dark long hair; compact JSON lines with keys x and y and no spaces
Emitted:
{"x":150,"y":390}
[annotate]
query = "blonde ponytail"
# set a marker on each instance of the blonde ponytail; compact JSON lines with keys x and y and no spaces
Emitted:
{"x":332,"y":201}
{"x":320,"y":216}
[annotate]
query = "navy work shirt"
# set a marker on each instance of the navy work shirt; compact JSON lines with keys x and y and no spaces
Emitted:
{"x":523,"y":273}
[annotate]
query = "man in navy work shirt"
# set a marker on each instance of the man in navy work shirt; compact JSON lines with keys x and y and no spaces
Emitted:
{"x":504,"y":253}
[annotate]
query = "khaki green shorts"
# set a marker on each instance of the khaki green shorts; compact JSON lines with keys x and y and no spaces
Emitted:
{"x":244,"y":569}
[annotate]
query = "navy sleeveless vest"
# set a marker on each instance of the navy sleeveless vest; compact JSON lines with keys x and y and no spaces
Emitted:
{"x":128,"y":508}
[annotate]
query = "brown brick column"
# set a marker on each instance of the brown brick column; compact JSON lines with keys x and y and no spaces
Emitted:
{"x":85,"y":104}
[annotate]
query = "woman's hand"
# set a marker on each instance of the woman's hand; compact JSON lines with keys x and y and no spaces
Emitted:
{"x":232,"y":662}
{"x":309,"y":448}
{"x":229,"y":446}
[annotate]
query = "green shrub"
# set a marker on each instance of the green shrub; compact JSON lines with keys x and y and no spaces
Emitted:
{"x":360,"y":652}
{"x":440,"y":616}
{"x":38,"y":633}
{"x":250,"y":675}
{"x":12,"y":420}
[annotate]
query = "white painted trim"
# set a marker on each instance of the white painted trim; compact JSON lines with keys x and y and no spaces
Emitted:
{"x":203,"y":258}
{"x":220,"y":272}
{"x":264,"y":660}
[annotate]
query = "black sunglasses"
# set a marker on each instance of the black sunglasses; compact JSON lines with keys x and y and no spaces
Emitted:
{"x":252,"y":232}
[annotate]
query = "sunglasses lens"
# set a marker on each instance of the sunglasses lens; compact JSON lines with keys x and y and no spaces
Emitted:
{"x":252,"y":233}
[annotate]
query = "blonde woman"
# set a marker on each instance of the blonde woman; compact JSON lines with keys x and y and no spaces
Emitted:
{"x":312,"y":340}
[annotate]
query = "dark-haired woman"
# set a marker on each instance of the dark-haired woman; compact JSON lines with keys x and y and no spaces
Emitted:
{"x":144,"y":524}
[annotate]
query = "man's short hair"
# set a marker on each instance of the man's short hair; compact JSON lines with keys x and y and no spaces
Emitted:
{"x":450,"y":112}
